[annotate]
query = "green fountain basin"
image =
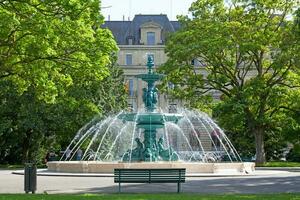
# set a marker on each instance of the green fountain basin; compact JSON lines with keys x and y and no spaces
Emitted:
{"x":150,"y":77}
{"x":151,"y":119}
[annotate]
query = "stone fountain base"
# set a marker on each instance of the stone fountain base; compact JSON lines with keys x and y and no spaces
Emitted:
{"x":191,"y":167}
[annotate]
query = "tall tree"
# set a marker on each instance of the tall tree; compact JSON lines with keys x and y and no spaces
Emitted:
{"x":55,"y":68}
{"x":30,"y":126}
{"x":46,"y":44}
{"x":247,"y":51}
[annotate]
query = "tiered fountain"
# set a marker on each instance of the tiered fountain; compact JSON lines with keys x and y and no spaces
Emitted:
{"x":151,"y":149}
{"x":188,"y":140}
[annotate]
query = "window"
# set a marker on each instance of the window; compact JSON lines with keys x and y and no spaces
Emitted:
{"x":128,"y":59}
{"x":130,"y":40}
{"x":150,"y":38}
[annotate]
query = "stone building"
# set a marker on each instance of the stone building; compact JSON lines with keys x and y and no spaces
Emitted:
{"x":144,"y":35}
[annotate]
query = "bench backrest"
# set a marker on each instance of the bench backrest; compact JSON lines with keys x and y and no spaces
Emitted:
{"x":149,"y":175}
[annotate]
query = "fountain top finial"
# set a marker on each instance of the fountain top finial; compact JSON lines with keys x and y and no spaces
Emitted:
{"x":150,"y":64}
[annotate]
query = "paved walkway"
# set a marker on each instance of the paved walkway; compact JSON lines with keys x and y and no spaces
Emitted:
{"x":275,"y":183}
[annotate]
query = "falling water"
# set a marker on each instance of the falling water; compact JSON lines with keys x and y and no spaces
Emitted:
{"x":133,"y":132}
{"x":76,"y":137}
{"x":119,"y":136}
{"x":95,"y":136}
{"x":195,"y":133}
{"x":106,"y":131}
{"x":184,"y":136}
{"x":166,"y":134}
{"x":207,"y":132}
{"x":232,"y":148}
{"x":205,"y":119}
{"x":114,"y":142}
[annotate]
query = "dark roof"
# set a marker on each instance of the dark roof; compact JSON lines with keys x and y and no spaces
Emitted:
{"x":122,"y":30}
{"x":176,"y":25}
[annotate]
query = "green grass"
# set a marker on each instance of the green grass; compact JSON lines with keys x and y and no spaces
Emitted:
{"x":281,"y":164}
{"x":172,"y":196}
{"x":8,"y":166}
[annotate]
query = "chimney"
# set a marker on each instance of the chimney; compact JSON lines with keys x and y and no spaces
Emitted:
{"x":108,"y":17}
{"x":123,"y":17}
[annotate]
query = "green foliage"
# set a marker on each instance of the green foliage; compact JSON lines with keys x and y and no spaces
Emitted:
{"x":56,"y":72}
{"x":48,"y":44}
{"x":31,"y":127}
{"x":294,"y":154}
{"x":281,"y":164}
{"x":249,"y":53}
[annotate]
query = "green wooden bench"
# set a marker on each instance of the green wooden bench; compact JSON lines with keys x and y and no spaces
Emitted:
{"x":176,"y":175}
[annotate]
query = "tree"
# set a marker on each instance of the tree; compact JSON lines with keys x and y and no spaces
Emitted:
{"x":248,"y":52}
{"x":55,"y":68}
{"x":29,"y":127}
{"x":100,"y":98}
{"x":47,"y":44}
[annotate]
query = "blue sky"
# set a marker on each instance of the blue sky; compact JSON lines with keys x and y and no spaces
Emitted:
{"x":117,"y":8}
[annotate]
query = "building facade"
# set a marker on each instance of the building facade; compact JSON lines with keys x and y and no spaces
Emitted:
{"x":144,"y":35}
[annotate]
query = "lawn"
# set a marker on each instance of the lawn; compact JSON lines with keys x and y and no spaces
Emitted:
{"x":20,"y":166}
{"x":171,"y":196}
{"x":3,"y":166}
{"x":281,"y":164}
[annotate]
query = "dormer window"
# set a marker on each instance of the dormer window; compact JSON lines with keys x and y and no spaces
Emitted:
{"x":150,"y":38}
{"x":150,"y":33}
{"x":130,"y":40}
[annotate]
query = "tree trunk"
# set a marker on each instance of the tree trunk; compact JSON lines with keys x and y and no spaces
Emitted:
{"x":25,"y":150}
{"x":260,"y":146}
{"x":26,"y":147}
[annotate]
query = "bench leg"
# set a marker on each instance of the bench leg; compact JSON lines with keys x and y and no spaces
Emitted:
{"x":178,"y":187}
{"x":119,"y":187}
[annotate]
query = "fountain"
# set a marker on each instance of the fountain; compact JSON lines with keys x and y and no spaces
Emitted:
{"x":152,"y":139}
{"x":151,"y":149}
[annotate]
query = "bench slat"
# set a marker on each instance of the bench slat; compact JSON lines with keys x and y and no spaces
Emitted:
{"x":149,"y":175}
{"x":141,"y":181}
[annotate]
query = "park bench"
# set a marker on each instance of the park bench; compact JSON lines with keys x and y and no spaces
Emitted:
{"x":176,"y":175}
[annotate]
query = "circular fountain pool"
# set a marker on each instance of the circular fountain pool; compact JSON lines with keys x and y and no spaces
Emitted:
{"x":191,"y":167}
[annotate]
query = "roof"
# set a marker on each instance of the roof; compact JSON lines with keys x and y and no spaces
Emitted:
{"x":122,"y":30}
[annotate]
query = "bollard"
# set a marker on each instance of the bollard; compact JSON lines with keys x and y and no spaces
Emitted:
{"x":30,"y":178}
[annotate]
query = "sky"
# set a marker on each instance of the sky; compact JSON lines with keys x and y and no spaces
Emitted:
{"x":128,"y":8}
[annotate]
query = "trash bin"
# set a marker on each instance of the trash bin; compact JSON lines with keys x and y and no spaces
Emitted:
{"x":30,"y":178}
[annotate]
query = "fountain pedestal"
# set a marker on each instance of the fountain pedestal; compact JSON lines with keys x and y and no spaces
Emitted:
{"x":151,"y":149}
